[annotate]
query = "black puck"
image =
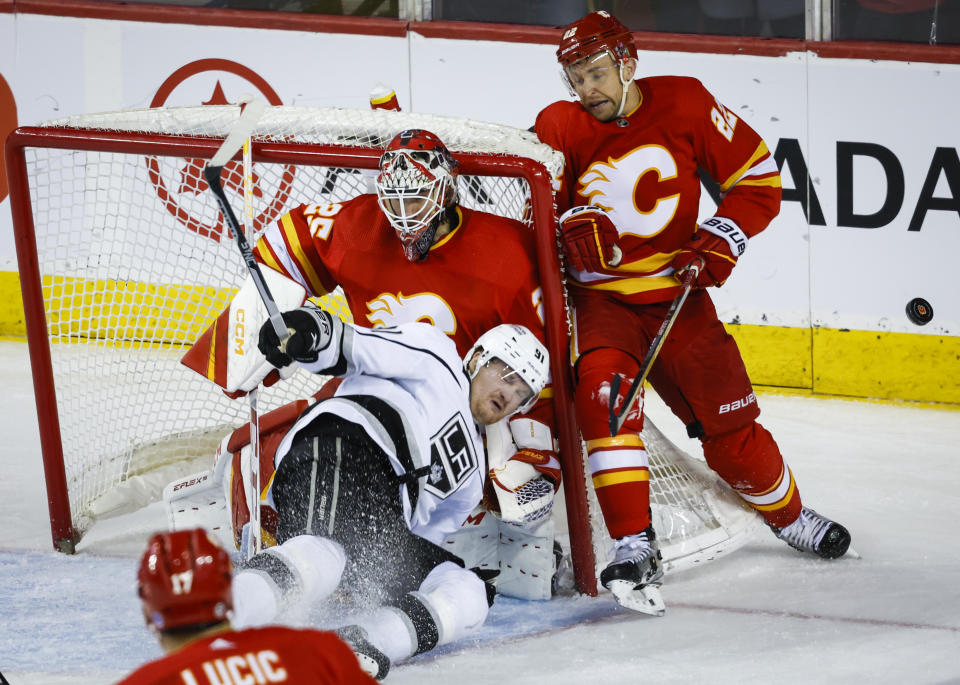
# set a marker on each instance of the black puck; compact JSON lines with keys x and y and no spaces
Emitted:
{"x":919,"y":311}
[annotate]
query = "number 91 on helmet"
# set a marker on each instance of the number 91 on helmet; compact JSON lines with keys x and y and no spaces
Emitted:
{"x":508,"y":368}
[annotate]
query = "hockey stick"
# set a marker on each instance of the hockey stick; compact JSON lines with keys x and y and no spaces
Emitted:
{"x":249,"y":226}
{"x":233,"y":143}
{"x":237,"y":139}
{"x":617,"y":418}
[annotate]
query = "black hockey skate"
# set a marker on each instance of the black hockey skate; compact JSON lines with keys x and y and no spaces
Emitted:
{"x":812,"y":532}
{"x":636,"y":573}
{"x":372,"y":660}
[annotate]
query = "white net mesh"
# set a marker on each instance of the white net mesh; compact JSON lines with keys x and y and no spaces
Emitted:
{"x":136,"y":262}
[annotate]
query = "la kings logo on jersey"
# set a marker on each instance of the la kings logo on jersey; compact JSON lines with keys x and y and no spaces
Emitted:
{"x":452,"y":459}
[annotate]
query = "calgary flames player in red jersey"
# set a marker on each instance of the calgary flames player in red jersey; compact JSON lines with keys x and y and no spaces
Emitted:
{"x":184,"y":582}
{"x":630,"y":198}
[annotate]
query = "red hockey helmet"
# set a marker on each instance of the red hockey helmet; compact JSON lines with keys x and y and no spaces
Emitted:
{"x":417,"y":181}
{"x":184,"y":580}
{"x":594,"y":33}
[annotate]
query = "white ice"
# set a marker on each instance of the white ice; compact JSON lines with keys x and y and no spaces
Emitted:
{"x":890,"y":473}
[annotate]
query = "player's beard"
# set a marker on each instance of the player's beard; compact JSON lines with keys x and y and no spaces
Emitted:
{"x":606,"y":111}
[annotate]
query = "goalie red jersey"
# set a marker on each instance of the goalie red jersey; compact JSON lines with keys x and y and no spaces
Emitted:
{"x":643,"y":171}
{"x":273,"y":654}
{"x":463,"y":287}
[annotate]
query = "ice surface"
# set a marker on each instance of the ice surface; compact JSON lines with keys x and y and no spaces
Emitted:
{"x":890,"y":473}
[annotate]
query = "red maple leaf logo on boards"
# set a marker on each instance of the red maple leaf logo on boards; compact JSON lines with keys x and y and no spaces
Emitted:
{"x":191,"y":174}
{"x":188,"y":179}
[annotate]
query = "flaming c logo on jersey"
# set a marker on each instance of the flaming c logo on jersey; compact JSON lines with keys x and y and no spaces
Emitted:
{"x":389,"y":310}
{"x":613,"y":185}
{"x":8,"y":122}
{"x":189,"y":178}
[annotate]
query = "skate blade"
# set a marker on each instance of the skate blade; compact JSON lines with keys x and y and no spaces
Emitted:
{"x":646,"y":600}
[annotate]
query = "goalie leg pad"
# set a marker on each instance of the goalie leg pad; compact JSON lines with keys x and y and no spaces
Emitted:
{"x":476,"y":541}
{"x":619,"y":465}
{"x":527,"y":560}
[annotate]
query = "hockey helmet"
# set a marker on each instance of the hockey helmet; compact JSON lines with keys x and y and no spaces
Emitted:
{"x":519,"y":349}
{"x":184,"y":580}
{"x":416,"y":183}
{"x":596,"y":32}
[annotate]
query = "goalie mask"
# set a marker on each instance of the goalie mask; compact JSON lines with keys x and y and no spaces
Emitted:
{"x":415,"y":186}
{"x":519,"y":354}
{"x":594,"y":36}
{"x":184,"y":580}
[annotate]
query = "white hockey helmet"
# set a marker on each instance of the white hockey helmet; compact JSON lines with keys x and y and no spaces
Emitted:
{"x":519,"y":349}
{"x":416,"y":183}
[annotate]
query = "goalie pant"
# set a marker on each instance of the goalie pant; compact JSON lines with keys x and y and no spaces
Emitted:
{"x":367,"y":483}
{"x":270,"y":654}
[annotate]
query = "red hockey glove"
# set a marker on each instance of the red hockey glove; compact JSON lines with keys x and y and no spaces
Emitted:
{"x":718,"y":243}
{"x":589,"y":239}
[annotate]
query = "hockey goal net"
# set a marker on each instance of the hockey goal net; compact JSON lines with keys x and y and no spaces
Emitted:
{"x":124,"y":261}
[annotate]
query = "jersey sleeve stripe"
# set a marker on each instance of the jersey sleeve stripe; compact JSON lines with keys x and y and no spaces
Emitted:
{"x":264,"y":252}
{"x":756,"y":156}
{"x":630,"y":286}
{"x":770,"y":181}
{"x":299,"y":255}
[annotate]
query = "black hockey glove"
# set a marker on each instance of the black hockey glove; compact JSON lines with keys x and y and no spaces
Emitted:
{"x":310,"y":331}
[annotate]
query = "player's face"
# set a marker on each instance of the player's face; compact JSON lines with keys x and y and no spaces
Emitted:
{"x":596,"y":80}
{"x":496,"y":392}
{"x":412,"y":208}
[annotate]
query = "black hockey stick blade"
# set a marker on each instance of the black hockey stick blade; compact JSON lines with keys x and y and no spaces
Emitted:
{"x":617,"y":418}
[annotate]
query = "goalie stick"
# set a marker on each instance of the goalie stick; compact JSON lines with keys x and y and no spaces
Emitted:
{"x":242,"y":130}
{"x":237,"y":139}
{"x":617,"y":418}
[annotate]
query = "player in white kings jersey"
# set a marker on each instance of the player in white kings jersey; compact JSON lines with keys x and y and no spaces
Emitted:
{"x":370,"y":481}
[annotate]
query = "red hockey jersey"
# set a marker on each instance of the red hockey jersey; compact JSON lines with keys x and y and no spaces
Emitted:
{"x":643,"y":169}
{"x":481,"y":274}
{"x":274,"y":654}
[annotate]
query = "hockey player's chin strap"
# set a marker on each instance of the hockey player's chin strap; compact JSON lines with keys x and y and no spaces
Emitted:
{"x":625,"y":87}
{"x":422,"y":245}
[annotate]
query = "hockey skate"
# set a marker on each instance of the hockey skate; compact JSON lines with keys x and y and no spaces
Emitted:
{"x":635,"y":574}
{"x":372,"y":660}
{"x":812,"y":532}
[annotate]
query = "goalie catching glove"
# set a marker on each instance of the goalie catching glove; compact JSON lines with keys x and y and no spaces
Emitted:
{"x":718,"y":244}
{"x":524,"y":487}
{"x":310,"y":329}
{"x":589,"y":239}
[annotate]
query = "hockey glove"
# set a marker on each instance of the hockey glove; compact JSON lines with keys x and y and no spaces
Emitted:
{"x":589,"y":239}
{"x":310,"y":332}
{"x":524,"y":487}
{"x":718,"y":244}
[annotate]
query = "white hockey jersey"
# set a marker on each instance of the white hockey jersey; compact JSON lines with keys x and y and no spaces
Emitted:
{"x":416,"y":371}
